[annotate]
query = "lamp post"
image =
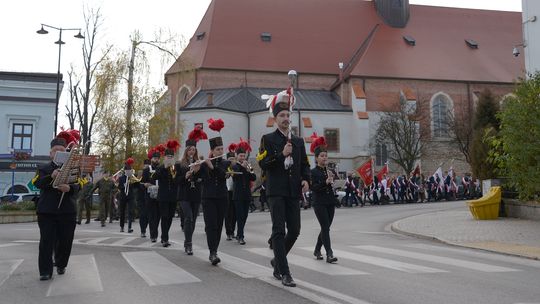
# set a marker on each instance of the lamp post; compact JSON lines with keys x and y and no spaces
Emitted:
{"x":42,"y":31}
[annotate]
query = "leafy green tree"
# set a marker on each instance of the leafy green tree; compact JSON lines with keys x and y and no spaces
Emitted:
{"x":485,"y":119}
{"x":520,"y":138}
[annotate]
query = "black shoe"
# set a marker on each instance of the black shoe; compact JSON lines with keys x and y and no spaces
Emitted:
{"x":130,"y":230}
{"x":288,"y":281}
{"x":166,"y":244}
{"x":143,"y":235}
{"x":61,"y":270}
{"x":45,"y":277}
{"x":229,"y":237}
{"x":87,"y":222}
{"x":276,"y":273}
{"x":78,"y":222}
{"x":102,"y":225}
{"x":153,"y":240}
{"x":331,"y":259}
{"x":110,"y":222}
{"x":189,"y":249}
{"x":122,"y":229}
{"x":318,"y":255}
{"x":241,"y":241}
{"x":214,"y":259}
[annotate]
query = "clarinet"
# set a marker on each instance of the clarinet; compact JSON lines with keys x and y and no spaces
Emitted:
{"x":192,"y":182}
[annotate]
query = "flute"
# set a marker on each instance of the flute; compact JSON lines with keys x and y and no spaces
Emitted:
{"x":202,"y":161}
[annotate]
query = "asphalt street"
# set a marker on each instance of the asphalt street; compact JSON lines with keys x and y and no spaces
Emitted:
{"x":375,"y":265}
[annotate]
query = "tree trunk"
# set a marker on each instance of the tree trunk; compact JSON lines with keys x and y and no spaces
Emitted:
{"x":129,"y":106}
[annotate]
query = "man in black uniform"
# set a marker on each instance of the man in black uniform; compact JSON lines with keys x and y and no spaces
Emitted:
{"x":56,"y":215}
{"x":242,"y":188}
{"x":152,"y":204}
{"x":167,"y":177}
{"x":230,"y":215}
{"x":141,"y":202}
{"x":214,"y":196}
{"x":283,"y":157}
{"x":127,"y":184}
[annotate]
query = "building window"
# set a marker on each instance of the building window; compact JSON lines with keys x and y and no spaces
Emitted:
{"x":440,"y":109}
{"x":381,"y":154}
{"x":332,"y":139}
{"x":22,"y":137}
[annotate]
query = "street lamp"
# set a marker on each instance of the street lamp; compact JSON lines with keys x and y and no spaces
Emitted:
{"x":43,"y":31}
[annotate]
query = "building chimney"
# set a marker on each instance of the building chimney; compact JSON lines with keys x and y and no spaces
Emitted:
{"x":210,"y":99}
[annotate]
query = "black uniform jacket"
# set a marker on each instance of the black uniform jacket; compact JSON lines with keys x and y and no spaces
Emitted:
{"x":167,"y":179}
{"x":133,"y":187}
{"x":147,"y":178}
{"x":241,"y":183}
{"x":190,"y":189}
{"x":321,"y":192}
{"x":214,"y":181}
{"x":49,"y":197}
{"x":281,"y":181}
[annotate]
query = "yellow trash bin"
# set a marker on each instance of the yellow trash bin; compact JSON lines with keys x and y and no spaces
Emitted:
{"x":487,"y":207}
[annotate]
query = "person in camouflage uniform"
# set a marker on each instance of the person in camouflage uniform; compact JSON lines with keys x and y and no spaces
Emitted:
{"x":106,"y":191}
{"x":85,"y":199}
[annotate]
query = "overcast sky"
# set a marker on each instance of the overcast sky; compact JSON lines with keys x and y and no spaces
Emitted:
{"x":23,"y":50}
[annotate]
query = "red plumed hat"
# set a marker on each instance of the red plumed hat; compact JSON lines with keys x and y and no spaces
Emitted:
{"x":243,"y":146}
{"x":197,"y":134}
{"x":172,"y":146}
{"x":76,"y":135}
{"x":216,"y":124}
{"x":151,"y":152}
{"x":161,"y":149}
{"x":318,"y":145}
{"x":232,"y":147}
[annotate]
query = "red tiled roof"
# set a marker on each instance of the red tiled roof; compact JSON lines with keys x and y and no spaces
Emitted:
{"x":313,"y":36}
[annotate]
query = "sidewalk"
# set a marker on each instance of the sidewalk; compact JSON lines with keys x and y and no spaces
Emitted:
{"x":457,"y":227}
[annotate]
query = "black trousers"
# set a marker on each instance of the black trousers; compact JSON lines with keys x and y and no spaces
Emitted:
{"x":325,"y":216}
{"x":167,"y":211}
{"x":181,"y":215}
{"x":214,"y":213}
{"x":143,"y":214}
{"x":126,"y":203}
{"x":284,"y":211}
{"x":242,"y":211}
{"x":55,"y":235}
{"x":230,"y":216}
{"x":191,"y":211}
{"x":152,"y":208}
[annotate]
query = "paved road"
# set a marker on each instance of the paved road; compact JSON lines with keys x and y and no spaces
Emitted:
{"x":375,"y":266}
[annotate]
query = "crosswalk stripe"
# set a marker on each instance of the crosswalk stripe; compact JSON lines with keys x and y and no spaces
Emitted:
{"x":478,"y":254}
{"x":82,"y":276}
{"x":97,"y":240}
{"x":310,"y":263}
{"x":147,"y":244}
{"x":7,"y":267}
{"x":437,"y":259}
{"x":10,"y":245}
{"x":248,"y":269}
{"x":122,"y":241}
{"x":386,"y":263}
{"x":157,"y":270}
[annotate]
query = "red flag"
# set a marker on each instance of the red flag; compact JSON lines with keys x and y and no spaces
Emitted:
{"x":416,"y":170}
{"x":366,"y":172}
{"x":384,"y":171}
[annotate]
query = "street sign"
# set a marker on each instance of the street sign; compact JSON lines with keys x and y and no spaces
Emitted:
{"x":32,"y":187}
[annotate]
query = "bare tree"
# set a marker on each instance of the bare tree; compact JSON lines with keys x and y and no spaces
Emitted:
{"x":460,"y":124}
{"x":86,"y":107}
{"x":399,"y":128}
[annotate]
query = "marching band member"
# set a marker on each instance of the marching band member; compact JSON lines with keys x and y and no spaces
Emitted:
{"x":282,"y":156}
{"x":324,"y":204}
{"x":152,"y":204}
{"x":56,"y":222}
{"x":127,"y":184}
{"x":242,"y":187}
{"x":230,"y":215}
{"x":189,"y":191}
{"x":213,"y":173}
{"x":167,"y":177}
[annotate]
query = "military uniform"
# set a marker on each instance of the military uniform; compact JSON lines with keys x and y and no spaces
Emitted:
{"x":127,"y":200}
{"x":105,"y":187}
{"x":152,"y":204}
{"x":84,"y":200}
{"x":324,"y":203}
{"x":242,"y":197}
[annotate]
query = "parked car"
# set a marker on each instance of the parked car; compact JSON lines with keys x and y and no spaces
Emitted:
{"x":16,"y":197}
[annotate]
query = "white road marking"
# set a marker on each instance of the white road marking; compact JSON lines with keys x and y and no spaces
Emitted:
{"x":122,"y":241}
{"x":157,"y":270}
{"x":438,"y":259}
{"x":386,"y":263}
{"x":7,"y":267}
{"x":97,"y":240}
{"x":26,"y":241}
{"x":479,"y":254}
{"x":82,"y":276}
{"x":310,"y":263}
{"x":10,"y":245}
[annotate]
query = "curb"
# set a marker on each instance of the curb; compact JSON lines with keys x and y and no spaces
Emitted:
{"x":395,"y":229}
